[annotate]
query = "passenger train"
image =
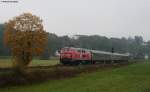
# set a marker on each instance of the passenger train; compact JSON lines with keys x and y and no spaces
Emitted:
{"x":75,"y":56}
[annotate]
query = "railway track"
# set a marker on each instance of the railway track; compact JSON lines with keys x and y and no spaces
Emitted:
{"x":61,"y":66}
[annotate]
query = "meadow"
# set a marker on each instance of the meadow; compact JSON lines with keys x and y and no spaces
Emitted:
{"x":132,"y":78}
{"x":7,"y":62}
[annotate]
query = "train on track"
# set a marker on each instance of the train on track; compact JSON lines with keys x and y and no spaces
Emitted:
{"x":76,"y":56}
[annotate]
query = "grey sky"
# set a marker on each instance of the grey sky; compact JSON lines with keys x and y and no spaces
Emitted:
{"x":111,"y":18}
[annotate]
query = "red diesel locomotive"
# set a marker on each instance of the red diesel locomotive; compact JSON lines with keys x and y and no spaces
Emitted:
{"x":71,"y":55}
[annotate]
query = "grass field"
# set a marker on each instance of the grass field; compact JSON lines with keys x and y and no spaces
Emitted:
{"x":132,"y":78}
{"x":4,"y":63}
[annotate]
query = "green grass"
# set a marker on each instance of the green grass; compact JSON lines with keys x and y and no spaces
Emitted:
{"x":37,"y":62}
{"x":132,"y":78}
{"x":4,"y":63}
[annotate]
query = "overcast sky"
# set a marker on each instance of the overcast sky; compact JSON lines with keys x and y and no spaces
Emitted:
{"x":111,"y":18}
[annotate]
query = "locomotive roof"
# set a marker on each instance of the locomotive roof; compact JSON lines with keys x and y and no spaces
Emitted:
{"x":100,"y":52}
{"x":108,"y":53}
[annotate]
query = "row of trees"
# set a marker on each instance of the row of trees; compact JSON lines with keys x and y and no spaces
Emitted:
{"x":136,"y":46}
{"x":3,"y":50}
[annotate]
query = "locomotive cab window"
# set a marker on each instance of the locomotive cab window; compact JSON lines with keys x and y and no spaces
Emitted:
{"x":83,"y":51}
{"x":79,"y":51}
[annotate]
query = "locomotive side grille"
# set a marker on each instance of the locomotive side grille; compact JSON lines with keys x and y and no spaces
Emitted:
{"x":66,"y":55}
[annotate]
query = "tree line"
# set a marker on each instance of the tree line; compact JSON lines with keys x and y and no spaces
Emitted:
{"x":136,"y":46}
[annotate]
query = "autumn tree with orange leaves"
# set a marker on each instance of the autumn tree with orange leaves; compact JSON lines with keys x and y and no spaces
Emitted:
{"x":25,"y":36}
